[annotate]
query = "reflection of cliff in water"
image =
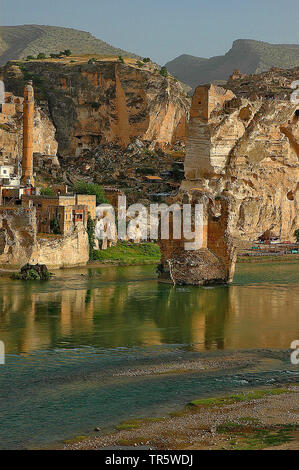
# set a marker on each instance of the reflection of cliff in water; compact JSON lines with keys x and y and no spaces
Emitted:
{"x":113,"y":313}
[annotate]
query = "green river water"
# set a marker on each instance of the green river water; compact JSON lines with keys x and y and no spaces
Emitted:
{"x":74,"y":344}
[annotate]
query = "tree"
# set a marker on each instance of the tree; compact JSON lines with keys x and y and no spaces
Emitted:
{"x":120,"y":58}
{"x":54,"y":226}
{"x":81,"y":187}
{"x":67,"y":52}
{"x":41,"y":56}
{"x":91,"y":237}
{"x":164,"y":72}
{"x":30,"y":57}
{"x":296,"y":235}
{"x":47,"y":191}
{"x":146,"y":59}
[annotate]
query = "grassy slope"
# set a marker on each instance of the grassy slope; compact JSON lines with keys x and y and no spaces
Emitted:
{"x":130,"y":253}
{"x":17,"y":42}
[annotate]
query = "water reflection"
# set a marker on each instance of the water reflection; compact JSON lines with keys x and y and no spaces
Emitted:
{"x":125,"y":307}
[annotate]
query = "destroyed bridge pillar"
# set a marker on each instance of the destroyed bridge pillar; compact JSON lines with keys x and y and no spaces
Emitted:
{"x":213,"y":262}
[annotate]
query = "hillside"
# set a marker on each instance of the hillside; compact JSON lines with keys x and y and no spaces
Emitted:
{"x":17,"y":42}
{"x":273,"y":84}
{"x":247,"y":55}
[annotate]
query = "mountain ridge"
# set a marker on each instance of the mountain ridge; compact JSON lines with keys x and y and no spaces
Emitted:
{"x":17,"y":42}
{"x":248,"y":55}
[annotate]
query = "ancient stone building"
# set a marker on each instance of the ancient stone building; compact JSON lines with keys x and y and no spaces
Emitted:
{"x":69,"y":212}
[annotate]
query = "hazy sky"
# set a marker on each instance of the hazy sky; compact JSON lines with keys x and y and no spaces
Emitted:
{"x":164,"y":29}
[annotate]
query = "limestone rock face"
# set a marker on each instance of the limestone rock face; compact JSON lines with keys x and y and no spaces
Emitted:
{"x":62,"y":252}
{"x":17,"y":236}
{"x":105,"y":102}
{"x":248,"y":151}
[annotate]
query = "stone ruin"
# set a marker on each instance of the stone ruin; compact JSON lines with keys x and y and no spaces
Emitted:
{"x":242,"y":164}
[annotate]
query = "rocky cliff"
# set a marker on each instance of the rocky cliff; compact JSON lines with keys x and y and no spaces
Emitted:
{"x":104,"y":101}
{"x":249,"y":152}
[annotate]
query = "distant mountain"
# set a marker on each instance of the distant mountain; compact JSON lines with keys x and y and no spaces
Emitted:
{"x":17,"y":42}
{"x":247,"y":55}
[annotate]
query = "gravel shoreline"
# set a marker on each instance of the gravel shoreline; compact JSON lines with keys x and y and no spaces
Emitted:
{"x":260,"y":420}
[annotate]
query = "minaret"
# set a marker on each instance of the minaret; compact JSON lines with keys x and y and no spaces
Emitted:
{"x":28,"y":118}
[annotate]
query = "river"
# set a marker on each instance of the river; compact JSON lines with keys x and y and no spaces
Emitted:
{"x":96,"y":346}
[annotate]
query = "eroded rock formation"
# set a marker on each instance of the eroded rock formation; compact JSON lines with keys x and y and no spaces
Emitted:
{"x":104,"y":102}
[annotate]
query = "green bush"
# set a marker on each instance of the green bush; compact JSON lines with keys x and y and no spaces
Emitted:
{"x":41,"y":56}
{"x":120,"y":58}
{"x":81,"y":187}
{"x":164,"y":72}
{"x":47,"y":191}
{"x":54,"y":226}
{"x":91,"y":237}
{"x":296,"y":235}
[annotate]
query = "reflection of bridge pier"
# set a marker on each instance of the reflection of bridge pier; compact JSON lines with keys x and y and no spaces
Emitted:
{"x":113,"y":315}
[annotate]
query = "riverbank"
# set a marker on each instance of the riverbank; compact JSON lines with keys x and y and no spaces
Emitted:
{"x":269,"y":259}
{"x":142,"y":254}
{"x":254,"y":420}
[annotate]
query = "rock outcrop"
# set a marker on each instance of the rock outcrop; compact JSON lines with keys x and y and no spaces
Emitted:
{"x":104,"y":101}
{"x":33,"y":272}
